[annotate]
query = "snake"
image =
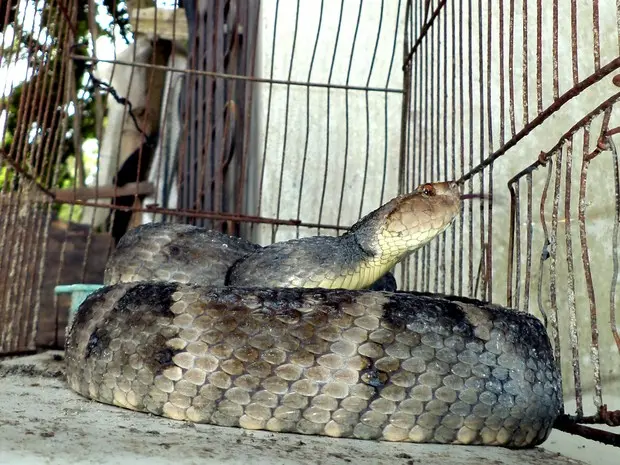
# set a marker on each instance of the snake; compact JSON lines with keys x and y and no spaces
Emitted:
{"x":311,"y":336}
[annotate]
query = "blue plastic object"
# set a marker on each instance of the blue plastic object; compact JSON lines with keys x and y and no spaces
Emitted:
{"x":79,"y":293}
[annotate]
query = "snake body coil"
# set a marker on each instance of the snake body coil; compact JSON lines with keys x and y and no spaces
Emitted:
{"x":179,"y":332}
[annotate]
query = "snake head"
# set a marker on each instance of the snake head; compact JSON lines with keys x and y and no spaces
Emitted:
{"x":408,"y":221}
{"x":420,"y":216}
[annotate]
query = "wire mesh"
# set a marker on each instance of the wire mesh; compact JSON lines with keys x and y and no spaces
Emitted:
{"x":496,"y":83}
{"x":276,"y":120}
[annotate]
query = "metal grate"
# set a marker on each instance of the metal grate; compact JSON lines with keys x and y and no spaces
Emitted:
{"x":275,"y":120}
{"x":509,"y":87}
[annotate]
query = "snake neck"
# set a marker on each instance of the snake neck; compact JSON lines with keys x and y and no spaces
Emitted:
{"x":376,"y":255}
{"x":382,"y":246}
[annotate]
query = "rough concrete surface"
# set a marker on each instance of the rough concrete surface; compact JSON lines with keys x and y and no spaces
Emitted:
{"x":44,"y":422}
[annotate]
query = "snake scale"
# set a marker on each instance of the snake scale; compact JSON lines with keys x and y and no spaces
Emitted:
{"x":310,"y":336}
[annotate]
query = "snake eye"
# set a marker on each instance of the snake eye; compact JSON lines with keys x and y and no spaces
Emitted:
{"x":428,"y":189}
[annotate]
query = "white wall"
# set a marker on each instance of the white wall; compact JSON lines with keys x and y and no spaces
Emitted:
{"x":281,"y":138}
{"x":281,"y":185}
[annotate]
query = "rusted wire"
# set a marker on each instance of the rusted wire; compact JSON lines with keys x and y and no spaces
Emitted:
{"x":513,"y":237}
{"x":423,"y":32}
{"x":585,"y":257}
{"x":284,"y":82}
{"x":329,"y":110}
{"x":574,"y":425}
{"x":545,"y":156}
{"x":528,"y":245}
{"x":615,"y":237}
{"x":572,"y":310}
{"x":543,"y":115}
{"x":207,"y":215}
{"x":564,"y":423}
{"x":565,"y":144}
{"x":307,"y":132}
{"x":23,"y":244}
{"x":548,"y":252}
{"x":464,"y":105}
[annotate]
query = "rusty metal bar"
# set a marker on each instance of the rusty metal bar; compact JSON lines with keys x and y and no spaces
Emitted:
{"x":446,"y":157}
{"x":594,"y":348}
{"x":528,"y":246}
{"x":544,"y":115}
{"x":549,"y":252}
{"x":431,"y":147}
{"x":511,"y":77}
{"x":517,"y":294}
{"x":502,"y":79}
{"x":52,"y":144}
{"x":555,"y":54}
{"x":545,"y":156}
{"x":513,"y":238}
{"x":461,"y":151}
{"x":525,"y":85}
{"x":470,"y":158}
{"x":328,"y":135}
{"x":286,"y":114}
{"x":209,"y":215}
{"x":405,"y":136}
{"x":596,"y":43}
{"x":426,"y":155}
{"x":539,"y":34}
{"x":425,"y":28}
{"x":574,"y":45}
{"x":453,"y":267}
{"x":564,"y":423}
{"x":249,"y":67}
{"x":86,"y":193}
{"x":255,"y":79}
{"x":489,"y":111}
{"x":616,"y":234}
{"x":572,"y":310}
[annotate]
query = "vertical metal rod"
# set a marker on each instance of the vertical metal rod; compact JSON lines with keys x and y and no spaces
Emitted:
{"x":539,"y":34}
{"x":616,"y":234}
{"x":328,"y":135}
{"x":461,"y":223}
{"x":525,"y":85}
{"x":585,"y":258}
{"x":572,"y":319}
{"x":489,"y":112}
{"x":552,"y":245}
{"x":574,"y":41}
{"x":511,"y":77}
{"x":470,"y":158}
{"x":528,"y":248}
{"x":307,"y":136}
{"x":555,"y":53}
{"x":286,"y":119}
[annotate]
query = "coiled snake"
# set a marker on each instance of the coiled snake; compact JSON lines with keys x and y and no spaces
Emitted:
{"x":307,"y":336}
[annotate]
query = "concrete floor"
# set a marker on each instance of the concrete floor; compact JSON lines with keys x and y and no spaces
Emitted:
{"x":43,"y":422}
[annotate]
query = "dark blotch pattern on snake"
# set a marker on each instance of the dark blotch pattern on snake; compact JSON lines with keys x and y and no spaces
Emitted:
{"x":181,"y":331}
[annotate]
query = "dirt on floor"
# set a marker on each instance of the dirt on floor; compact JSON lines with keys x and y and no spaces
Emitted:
{"x":43,"y":421}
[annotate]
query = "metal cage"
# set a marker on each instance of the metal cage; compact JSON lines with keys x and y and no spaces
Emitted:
{"x":275,"y":120}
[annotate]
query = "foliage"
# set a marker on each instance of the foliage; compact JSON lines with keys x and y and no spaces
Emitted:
{"x":39,"y":131}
